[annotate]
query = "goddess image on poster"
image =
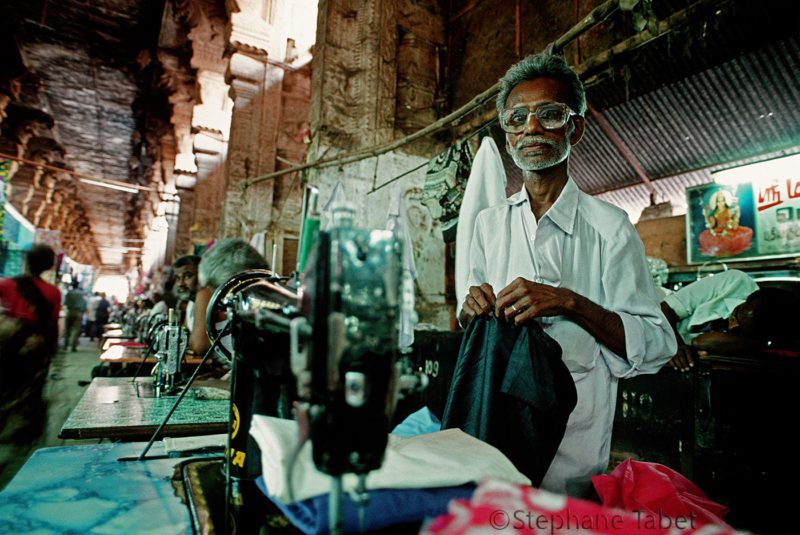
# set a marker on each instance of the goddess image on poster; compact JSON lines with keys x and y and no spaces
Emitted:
{"x":723,"y":235}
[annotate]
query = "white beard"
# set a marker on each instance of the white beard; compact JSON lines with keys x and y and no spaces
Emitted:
{"x":559,"y":152}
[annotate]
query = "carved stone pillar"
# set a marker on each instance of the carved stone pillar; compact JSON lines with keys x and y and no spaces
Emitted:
{"x":211,"y":120}
{"x":255,"y":89}
{"x":183,"y":239}
{"x":12,"y":68}
{"x":171,"y":204}
{"x":375,"y":77}
{"x":270,"y":85}
{"x":354,"y":80}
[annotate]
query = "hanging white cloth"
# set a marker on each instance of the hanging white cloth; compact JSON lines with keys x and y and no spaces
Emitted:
{"x":486,"y":187}
{"x":408,"y":315}
{"x":259,"y":243}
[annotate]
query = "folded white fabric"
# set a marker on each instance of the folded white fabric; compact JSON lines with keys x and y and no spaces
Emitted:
{"x":442,"y":459}
{"x":181,"y":444}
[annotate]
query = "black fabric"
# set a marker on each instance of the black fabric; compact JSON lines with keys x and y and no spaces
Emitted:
{"x":511,"y":390}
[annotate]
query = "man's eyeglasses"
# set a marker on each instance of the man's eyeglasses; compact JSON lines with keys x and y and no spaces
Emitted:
{"x":551,"y":116}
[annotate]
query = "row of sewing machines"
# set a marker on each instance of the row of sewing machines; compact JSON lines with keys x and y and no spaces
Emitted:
{"x":320,"y":347}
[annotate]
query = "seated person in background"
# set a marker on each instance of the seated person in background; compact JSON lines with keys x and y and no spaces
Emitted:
{"x":101,"y":315}
{"x":159,"y":305}
{"x":226,"y":259}
{"x":727,"y":313}
{"x":185,"y":286}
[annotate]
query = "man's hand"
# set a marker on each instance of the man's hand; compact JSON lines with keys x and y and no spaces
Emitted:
{"x":683,"y":361}
{"x":523,"y":300}
{"x":479,"y":302}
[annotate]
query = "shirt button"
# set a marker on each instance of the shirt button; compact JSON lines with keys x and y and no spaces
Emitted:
{"x":533,"y":237}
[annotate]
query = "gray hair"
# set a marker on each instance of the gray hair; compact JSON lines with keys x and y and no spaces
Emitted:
{"x":542,"y":66}
{"x":226,"y":259}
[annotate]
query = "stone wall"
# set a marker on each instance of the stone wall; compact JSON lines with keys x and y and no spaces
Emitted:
{"x":372,"y":83}
{"x":480,"y":52}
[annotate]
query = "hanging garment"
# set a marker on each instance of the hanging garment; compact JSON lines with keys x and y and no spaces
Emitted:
{"x":511,"y":390}
{"x":486,"y":187}
{"x":408,"y":315}
{"x":445,"y":181}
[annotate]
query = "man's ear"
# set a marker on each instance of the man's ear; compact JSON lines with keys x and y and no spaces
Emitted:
{"x":579,"y":125}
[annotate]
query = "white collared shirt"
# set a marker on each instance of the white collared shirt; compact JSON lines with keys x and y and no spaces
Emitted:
{"x":590,"y":247}
{"x":709,"y":299}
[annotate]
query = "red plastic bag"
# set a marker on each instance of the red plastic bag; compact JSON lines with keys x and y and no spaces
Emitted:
{"x":500,"y":507}
{"x":655,"y":488}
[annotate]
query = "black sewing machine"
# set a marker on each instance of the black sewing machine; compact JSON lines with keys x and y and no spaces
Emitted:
{"x":326,"y":338}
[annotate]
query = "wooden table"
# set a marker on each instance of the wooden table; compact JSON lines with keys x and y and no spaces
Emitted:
{"x":112,"y":408}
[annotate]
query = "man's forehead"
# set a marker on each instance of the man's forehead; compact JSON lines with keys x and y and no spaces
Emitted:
{"x":188,"y":268}
{"x":538,"y":91}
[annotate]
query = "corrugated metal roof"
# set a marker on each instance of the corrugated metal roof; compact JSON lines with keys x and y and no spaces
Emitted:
{"x":741,"y":109}
{"x":634,"y":199}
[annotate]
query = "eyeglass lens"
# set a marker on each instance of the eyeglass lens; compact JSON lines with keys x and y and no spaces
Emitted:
{"x":550,"y":116}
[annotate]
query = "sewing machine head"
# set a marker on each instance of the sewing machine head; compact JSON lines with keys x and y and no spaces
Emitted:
{"x":167,"y":340}
{"x":351,"y":297}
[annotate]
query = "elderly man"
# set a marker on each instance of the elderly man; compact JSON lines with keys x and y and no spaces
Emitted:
{"x":554,"y":255}
{"x":226,"y":259}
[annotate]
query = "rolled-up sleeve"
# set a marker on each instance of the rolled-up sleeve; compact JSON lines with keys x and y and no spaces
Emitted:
{"x":630,"y":292}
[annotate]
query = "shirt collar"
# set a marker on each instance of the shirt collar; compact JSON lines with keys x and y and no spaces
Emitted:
{"x":563,"y":211}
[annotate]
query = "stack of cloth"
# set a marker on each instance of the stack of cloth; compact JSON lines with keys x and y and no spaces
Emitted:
{"x":423,"y":470}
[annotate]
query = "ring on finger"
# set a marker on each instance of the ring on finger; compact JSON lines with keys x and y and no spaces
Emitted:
{"x":514,"y":308}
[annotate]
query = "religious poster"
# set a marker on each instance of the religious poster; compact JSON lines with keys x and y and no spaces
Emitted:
{"x":743,"y":222}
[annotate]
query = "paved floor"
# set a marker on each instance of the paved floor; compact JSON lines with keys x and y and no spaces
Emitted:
{"x":70,"y":374}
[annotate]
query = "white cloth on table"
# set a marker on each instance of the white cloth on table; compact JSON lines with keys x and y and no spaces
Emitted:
{"x":590,"y":247}
{"x":709,"y":299}
{"x":486,"y":187}
{"x":440,"y":459}
{"x":181,"y":444}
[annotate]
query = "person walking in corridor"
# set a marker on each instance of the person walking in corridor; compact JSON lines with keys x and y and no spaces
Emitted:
{"x":75,"y":303}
